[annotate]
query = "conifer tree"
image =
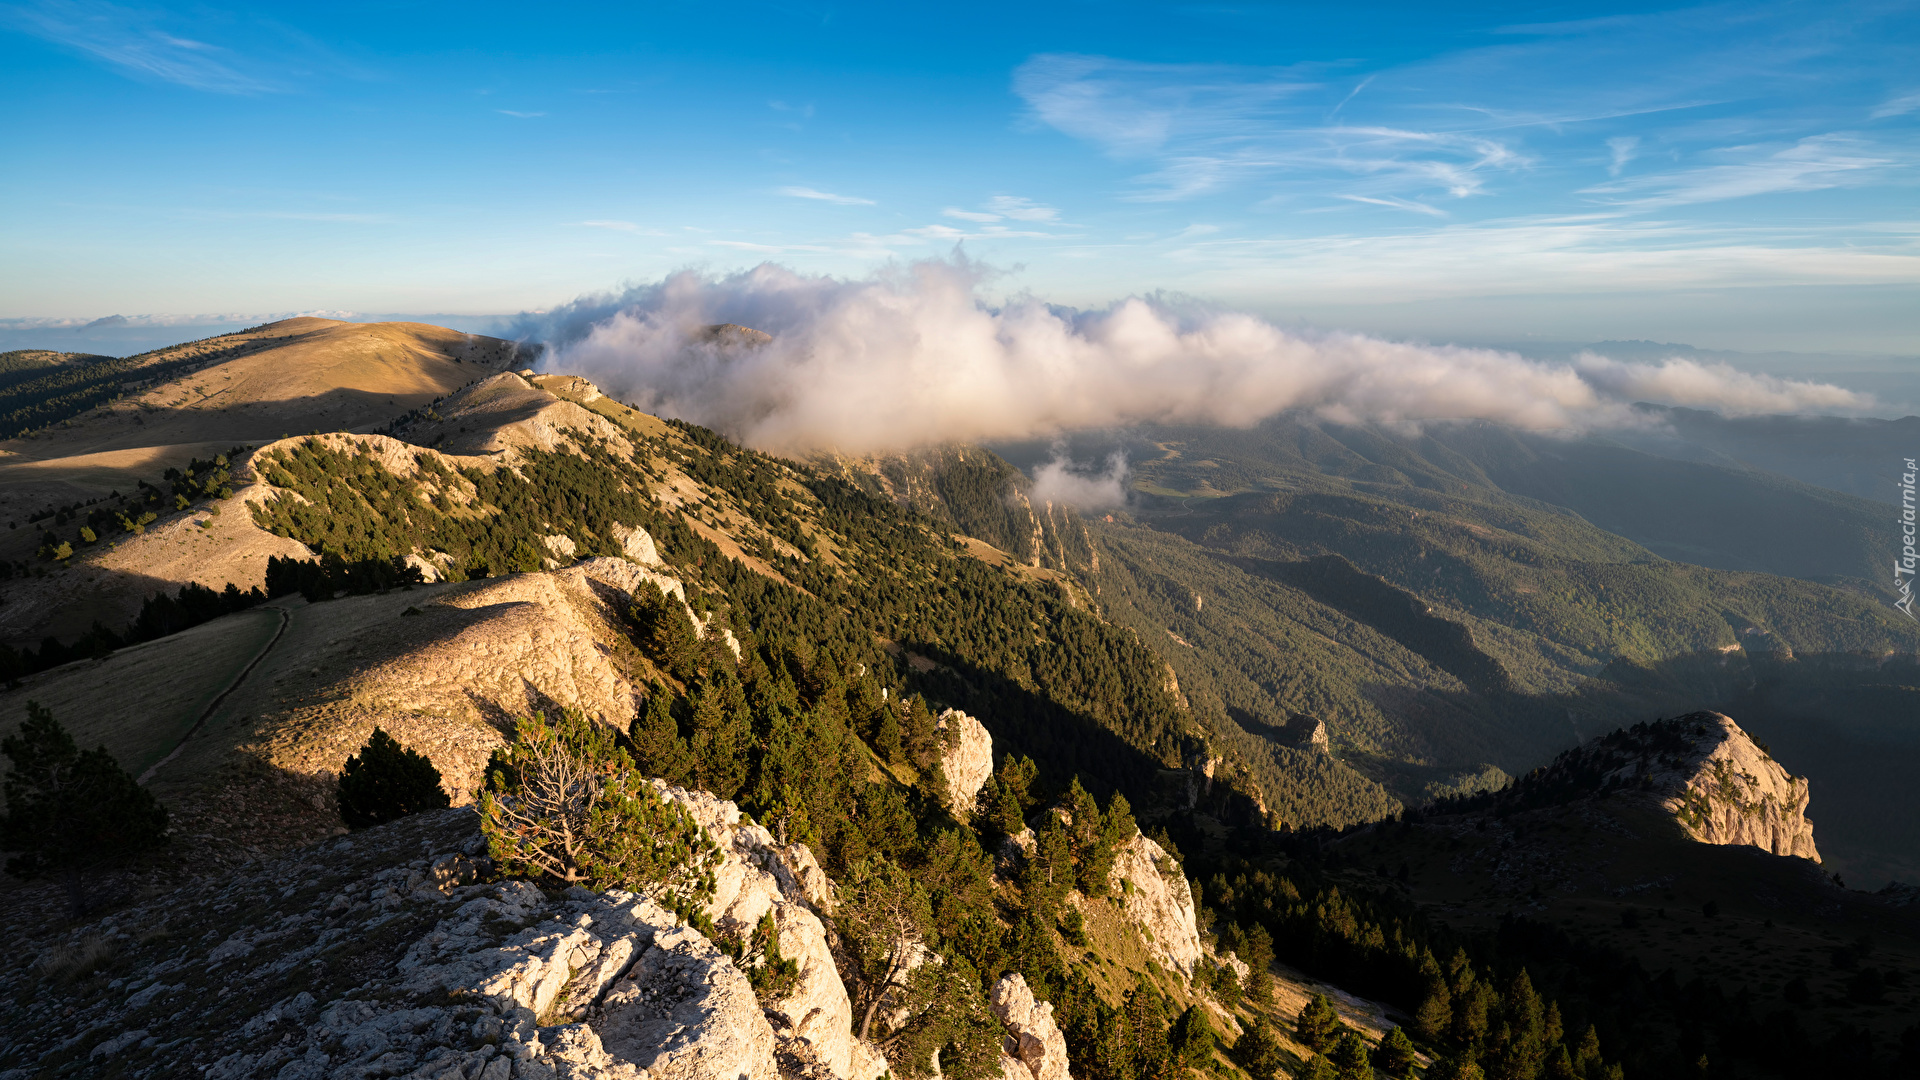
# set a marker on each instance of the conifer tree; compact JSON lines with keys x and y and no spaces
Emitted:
{"x":1317,"y":1067}
{"x":70,"y":810}
{"x":721,"y":735}
{"x":1395,"y":1056}
{"x":385,"y":781}
{"x":887,"y":741}
{"x":1317,"y":1025}
{"x":1147,"y":1035}
{"x":1350,"y":1058}
{"x":919,"y":734}
{"x":1048,"y":874}
{"x":658,"y":749}
{"x":1259,"y":1052}
{"x":1435,"y":1015}
{"x":565,"y":803}
{"x":1192,"y":1038}
{"x":1460,"y":1066}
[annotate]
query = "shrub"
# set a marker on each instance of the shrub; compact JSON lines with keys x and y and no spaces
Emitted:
{"x":564,"y":802}
{"x":69,"y":810}
{"x":385,"y":781}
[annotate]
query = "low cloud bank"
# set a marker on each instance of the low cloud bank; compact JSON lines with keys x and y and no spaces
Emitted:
{"x":914,"y":355}
{"x":1093,"y":488}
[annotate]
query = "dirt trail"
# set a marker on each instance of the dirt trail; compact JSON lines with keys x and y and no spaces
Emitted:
{"x":222,"y":695}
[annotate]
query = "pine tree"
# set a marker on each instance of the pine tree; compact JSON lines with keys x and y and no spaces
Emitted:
{"x":1395,"y":1056}
{"x":1147,"y":1034}
{"x":721,"y":735}
{"x":385,"y":781}
{"x":70,"y":810}
{"x":658,"y":749}
{"x":1049,"y":872}
{"x":1456,"y":1067}
{"x":1259,"y":1052}
{"x":1350,"y":1058}
{"x":1586,"y":1054}
{"x":1192,"y":1038}
{"x":1318,"y":1068}
{"x":1317,"y":1024}
{"x":920,"y":734}
{"x":1435,"y":1015}
{"x":886,"y":737}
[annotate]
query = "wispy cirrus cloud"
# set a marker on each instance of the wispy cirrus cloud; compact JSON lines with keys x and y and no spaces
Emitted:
{"x":518,"y":114}
{"x":1810,"y":164}
{"x":1002,"y":207}
{"x":1211,"y":127}
{"x":621,"y":226}
{"x":134,"y":42}
{"x":1899,"y":106}
{"x":824,"y":196}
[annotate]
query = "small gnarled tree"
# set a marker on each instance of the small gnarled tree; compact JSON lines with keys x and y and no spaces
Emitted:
{"x":385,"y":781}
{"x":565,"y":803}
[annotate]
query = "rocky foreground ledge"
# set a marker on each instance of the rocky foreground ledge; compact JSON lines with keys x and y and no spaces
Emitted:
{"x":386,"y":954}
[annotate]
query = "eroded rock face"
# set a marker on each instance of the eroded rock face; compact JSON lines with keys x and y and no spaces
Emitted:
{"x":967,"y":759}
{"x":1034,"y":1041}
{"x":1723,"y":789}
{"x":417,"y":969}
{"x":759,"y":876}
{"x":1158,"y":898}
{"x":684,"y":1011}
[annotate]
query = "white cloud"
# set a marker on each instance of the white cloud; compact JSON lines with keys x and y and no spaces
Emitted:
{"x":1208,"y":127}
{"x":128,"y":39}
{"x":1624,"y":148}
{"x":622,"y":226}
{"x":1899,"y":106}
{"x":1811,"y":164}
{"x":1060,"y":480}
{"x":1021,"y":209}
{"x":517,"y":113}
{"x":825,"y":196}
{"x":968,"y":215}
{"x":1397,"y":204}
{"x":916,"y":355}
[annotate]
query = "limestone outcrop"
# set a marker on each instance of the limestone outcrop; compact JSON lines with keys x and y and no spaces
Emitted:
{"x":1157,"y":897}
{"x":967,"y":759}
{"x":1716,"y":782}
{"x":385,"y":954}
{"x":1034,"y":1040}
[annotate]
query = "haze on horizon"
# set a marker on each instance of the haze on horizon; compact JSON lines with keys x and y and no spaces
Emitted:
{"x":1736,"y":177}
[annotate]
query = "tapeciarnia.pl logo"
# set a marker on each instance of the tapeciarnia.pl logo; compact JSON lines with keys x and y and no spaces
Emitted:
{"x":1903,"y":567}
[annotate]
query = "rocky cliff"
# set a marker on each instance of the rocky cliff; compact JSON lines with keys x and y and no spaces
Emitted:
{"x":1720,"y":785}
{"x":385,"y":954}
{"x":1701,"y":770}
{"x":1157,"y":897}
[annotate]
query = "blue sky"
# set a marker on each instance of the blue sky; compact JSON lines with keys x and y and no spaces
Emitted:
{"x":1737,"y":176}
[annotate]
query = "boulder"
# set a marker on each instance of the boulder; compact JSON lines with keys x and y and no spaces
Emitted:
{"x":1033,"y":1039}
{"x":637,"y":544}
{"x":966,"y":758}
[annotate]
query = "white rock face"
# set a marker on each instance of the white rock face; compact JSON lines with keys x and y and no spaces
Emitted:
{"x":562,"y":547}
{"x":968,"y":762}
{"x":1034,"y":1041}
{"x":759,"y":876}
{"x":684,"y":1011}
{"x":1723,"y":789}
{"x":1160,"y":902}
{"x":638,"y":544}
